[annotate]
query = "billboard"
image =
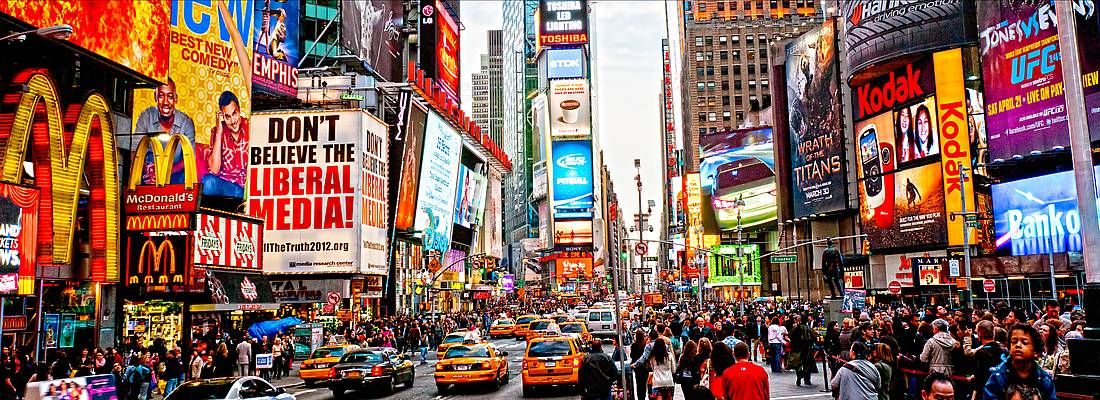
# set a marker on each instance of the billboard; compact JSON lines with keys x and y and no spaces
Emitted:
{"x":470,"y":197}
{"x":574,"y":268}
{"x":816,"y":133}
{"x":438,"y":184}
{"x":565,"y":63}
{"x":413,"y":138}
{"x":727,"y":268}
{"x":878,"y":30}
{"x":1037,"y":215}
{"x":1022,"y":77}
{"x":957,"y":141}
{"x":18,"y":236}
{"x":161,"y":262}
{"x":370,"y":30}
{"x":914,"y":215}
{"x":207,"y":97}
{"x":319,"y":185}
{"x":904,"y":84}
{"x":1088,"y":49}
{"x":562,"y":22}
{"x":275,"y":52}
{"x":228,"y":243}
{"x":131,"y":33}
{"x":737,"y":165}
{"x":572,"y":232}
{"x":570,"y":108}
{"x":493,"y":228}
{"x":571,"y":174}
{"x":439,"y":45}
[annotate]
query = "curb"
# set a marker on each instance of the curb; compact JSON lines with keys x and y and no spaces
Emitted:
{"x":290,"y":385}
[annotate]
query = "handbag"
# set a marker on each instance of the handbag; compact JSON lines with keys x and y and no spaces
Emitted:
{"x":683,"y":375}
{"x":704,"y":380}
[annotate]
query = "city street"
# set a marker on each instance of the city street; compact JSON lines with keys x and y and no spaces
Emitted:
{"x":782,"y":385}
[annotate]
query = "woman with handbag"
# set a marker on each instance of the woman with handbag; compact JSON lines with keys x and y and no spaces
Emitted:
{"x":687,"y":369}
{"x":662,"y":364}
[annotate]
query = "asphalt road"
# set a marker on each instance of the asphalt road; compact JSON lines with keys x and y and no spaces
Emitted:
{"x":424,"y":384}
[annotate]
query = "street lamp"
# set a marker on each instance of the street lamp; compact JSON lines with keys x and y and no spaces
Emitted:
{"x":59,"y":32}
{"x":740,"y":203}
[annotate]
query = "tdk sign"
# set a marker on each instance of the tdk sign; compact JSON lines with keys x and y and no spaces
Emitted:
{"x":565,"y":63}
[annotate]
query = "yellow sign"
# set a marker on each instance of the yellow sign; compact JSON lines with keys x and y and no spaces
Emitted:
{"x":92,"y":137}
{"x":954,"y":142}
{"x":163,"y":161}
{"x":164,"y":253}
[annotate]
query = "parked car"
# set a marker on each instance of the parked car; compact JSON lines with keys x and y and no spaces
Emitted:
{"x":236,"y":388}
{"x":473,"y":363}
{"x":372,"y":368}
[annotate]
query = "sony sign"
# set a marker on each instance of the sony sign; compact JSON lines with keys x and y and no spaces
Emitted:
{"x":565,"y":63}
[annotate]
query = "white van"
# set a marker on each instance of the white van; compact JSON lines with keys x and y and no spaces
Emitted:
{"x":601,"y":322}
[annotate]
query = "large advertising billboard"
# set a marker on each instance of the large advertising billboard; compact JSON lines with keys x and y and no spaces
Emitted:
{"x":572,"y":232}
{"x":318,"y":182}
{"x":438,"y":184}
{"x":727,"y":268}
{"x":134,"y":34}
{"x":207,"y":98}
{"x":739,"y":165}
{"x":570,"y":108}
{"x":956,"y":140}
{"x":574,"y":268}
{"x":878,"y":30}
{"x":228,"y":243}
{"x":909,"y":212}
{"x":565,"y":63}
{"x":562,"y":22}
{"x":571,"y":177}
{"x":370,"y":30}
{"x":1022,"y":76}
{"x":470,"y":197}
{"x":275,"y":53}
{"x":439,"y":45}
{"x":816,"y":134}
{"x":1037,"y":215}
{"x":413,"y":138}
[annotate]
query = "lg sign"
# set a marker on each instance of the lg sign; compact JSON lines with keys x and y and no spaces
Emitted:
{"x":563,"y":22}
{"x":565,"y":63}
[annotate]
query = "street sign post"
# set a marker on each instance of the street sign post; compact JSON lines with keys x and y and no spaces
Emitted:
{"x":641,"y":249}
{"x":895,"y":287}
{"x":784,"y":258}
{"x":953,"y":267}
{"x":642,"y":271}
{"x":989,"y":286}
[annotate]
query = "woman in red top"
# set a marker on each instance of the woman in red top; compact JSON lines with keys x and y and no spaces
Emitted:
{"x":720,"y":360}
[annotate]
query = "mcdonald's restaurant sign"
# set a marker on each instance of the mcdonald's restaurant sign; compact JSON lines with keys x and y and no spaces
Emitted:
{"x":150,"y":189}
{"x":62,"y":139}
{"x":160,"y":262}
{"x":159,"y":222}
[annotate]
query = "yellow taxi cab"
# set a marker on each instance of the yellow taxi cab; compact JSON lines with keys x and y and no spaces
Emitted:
{"x":561,"y":318}
{"x":502,"y":327}
{"x":522,"y":324}
{"x":318,"y":367}
{"x":451,"y":340}
{"x":538,"y":327}
{"x":551,"y":360}
{"x":580,"y":329}
{"x":472,"y":363}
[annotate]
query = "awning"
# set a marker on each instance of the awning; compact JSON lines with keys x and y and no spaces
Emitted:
{"x":230,"y":291}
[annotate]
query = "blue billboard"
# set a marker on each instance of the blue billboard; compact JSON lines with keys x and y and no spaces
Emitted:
{"x":1032,"y":215}
{"x":274,"y":69}
{"x":565,"y":63}
{"x":572,"y":179}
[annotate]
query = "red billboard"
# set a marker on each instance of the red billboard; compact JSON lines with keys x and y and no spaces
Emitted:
{"x":439,"y":45}
{"x":231,"y":243}
{"x":131,"y":33}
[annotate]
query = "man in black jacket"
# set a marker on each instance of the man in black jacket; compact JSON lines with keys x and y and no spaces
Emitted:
{"x":597,"y":374}
{"x":989,"y":355}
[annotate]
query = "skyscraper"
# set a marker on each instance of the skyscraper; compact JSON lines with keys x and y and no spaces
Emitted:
{"x":725,"y":63}
{"x":518,"y":77}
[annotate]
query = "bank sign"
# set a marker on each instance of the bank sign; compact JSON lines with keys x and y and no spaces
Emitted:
{"x":1031,"y":215}
{"x":572,"y":179}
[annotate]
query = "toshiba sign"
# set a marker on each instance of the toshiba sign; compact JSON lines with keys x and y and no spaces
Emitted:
{"x":563,"y":22}
{"x":909,"y":82}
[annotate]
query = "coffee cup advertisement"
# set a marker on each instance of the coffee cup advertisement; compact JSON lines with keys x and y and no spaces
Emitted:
{"x":570,"y":108}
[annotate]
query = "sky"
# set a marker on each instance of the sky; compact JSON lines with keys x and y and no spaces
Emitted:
{"x":627,"y":50}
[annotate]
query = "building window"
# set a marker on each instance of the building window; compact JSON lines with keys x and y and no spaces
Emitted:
{"x":710,"y":70}
{"x":712,"y":129}
{"x":710,"y":41}
{"x":736,"y":70}
{"x":702,"y":6}
{"x":698,"y":72}
{"x":699,"y":86}
{"x":701,"y":101}
{"x":698,"y":56}
{"x":749,"y":39}
{"x":721,"y":6}
{"x":763,"y":69}
{"x":698,"y":40}
{"x":712,"y":117}
{"x":725,"y":100}
{"x":740,"y":117}
{"x":702,"y":117}
{"x":722,"y":39}
{"x":735,"y":38}
{"x":702,"y":131}
{"x":723,"y":55}
{"x":710,"y":85}
{"x":767,"y":101}
{"x":737,"y":84}
{"x":752,"y":83}
{"x":725,"y":70}
{"x":752,"y":69}
{"x":726,"y":116}
{"x":710,"y":56}
{"x":710,"y":101}
{"x":733,"y":6}
{"x":736,"y":55}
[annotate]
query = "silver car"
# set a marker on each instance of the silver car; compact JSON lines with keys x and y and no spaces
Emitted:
{"x":236,"y":388}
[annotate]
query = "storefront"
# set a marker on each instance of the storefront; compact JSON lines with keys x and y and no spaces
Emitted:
{"x":315,"y":299}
